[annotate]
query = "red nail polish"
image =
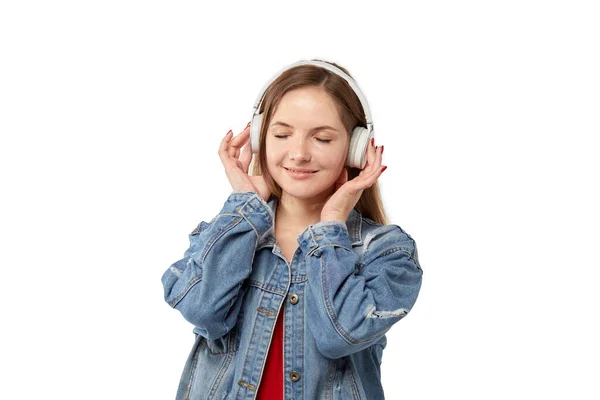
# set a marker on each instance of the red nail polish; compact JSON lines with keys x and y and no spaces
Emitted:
{"x":372,"y":141}
{"x":383,"y":168}
{"x":381,"y":149}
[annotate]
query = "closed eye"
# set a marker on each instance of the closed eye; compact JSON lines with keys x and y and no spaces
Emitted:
{"x":320,"y":140}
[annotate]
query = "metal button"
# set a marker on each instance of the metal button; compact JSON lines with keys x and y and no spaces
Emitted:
{"x":294,"y":376}
{"x":294,"y":298}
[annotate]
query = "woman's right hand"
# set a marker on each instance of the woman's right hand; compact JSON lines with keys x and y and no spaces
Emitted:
{"x":236,"y":164}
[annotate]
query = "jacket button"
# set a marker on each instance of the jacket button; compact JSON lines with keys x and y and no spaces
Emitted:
{"x":294,"y":376}
{"x":294,"y":298}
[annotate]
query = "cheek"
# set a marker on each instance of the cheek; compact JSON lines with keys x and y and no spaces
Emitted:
{"x":270,"y":147}
{"x":273,"y":163}
{"x":269,"y":152}
{"x":272,"y":158}
{"x":337,"y":159}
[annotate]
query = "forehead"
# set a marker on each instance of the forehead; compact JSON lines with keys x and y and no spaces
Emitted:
{"x":308,"y":105}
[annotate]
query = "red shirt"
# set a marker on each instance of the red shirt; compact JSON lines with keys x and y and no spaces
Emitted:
{"x":271,"y":385}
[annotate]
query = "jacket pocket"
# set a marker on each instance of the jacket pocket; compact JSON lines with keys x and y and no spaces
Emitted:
{"x":343,"y":385}
{"x":226,"y":344}
{"x":208,"y":373}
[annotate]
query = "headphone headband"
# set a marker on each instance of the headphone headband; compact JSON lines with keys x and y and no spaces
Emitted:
{"x":359,"y":137}
{"x":329,"y":67}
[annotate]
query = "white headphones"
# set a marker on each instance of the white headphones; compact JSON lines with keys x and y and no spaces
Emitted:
{"x":357,"y":154}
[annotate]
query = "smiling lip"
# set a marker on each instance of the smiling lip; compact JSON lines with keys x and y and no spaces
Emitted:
{"x":300,"y":174}
{"x":299,"y":169}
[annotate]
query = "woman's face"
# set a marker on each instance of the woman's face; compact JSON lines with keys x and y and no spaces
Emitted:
{"x":306,"y":132}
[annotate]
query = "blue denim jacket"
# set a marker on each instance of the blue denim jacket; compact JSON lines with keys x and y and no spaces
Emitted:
{"x":345,"y":287}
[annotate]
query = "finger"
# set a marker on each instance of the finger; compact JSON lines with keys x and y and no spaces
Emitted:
{"x":233,"y":152}
{"x":225,"y":141}
{"x":246,"y":157}
{"x":367,"y":177}
{"x":375,"y":165}
{"x":370,"y":155}
{"x":380,"y":157}
{"x":223,"y":150}
{"x":241,"y":138}
{"x":237,"y":142}
{"x":224,"y":145}
{"x":366,"y":181}
{"x":377,"y":169}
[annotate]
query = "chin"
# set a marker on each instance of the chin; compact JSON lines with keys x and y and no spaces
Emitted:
{"x":299,"y":193}
{"x":303,"y":190}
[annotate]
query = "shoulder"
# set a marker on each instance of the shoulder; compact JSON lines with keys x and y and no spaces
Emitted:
{"x":381,"y":239}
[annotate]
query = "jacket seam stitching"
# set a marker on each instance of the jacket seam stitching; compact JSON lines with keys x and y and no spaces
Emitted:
{"x":391,"y":251}
{"x":247,"y":352}
{"x":353,"y":381}
{"x":329,"y":382}
{"x":193,"y":371}
{"x":219,"y":377}
{"x":266,"y":287}
{"x":217,"y":236}
{"x":333,"y":245}
{"x":189,"y":286}
{"x":329,"y":305}
{"x":302,"y":327}
{"x":333,"y":316}
{"x":252,"y":225}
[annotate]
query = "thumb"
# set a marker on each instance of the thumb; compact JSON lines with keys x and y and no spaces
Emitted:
{"x":246,"y":157}
{"x":342,"y":178}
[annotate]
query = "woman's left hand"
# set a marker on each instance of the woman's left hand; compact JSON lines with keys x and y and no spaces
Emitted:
{"x":347,"y":193}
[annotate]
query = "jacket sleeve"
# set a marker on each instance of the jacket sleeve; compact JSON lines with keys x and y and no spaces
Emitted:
{"x":352,"y":303}
{"x":206,"y":284}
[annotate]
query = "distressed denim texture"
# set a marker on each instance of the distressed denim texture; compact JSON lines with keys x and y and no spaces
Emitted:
{"x":345,"y":287}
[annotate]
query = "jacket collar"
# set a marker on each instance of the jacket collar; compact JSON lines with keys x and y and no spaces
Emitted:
{"x":353,"y":223}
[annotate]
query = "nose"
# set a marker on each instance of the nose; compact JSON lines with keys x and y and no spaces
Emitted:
{"x":299,"y":148}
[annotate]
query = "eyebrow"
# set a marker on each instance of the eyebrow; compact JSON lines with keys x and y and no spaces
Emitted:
{"x":318,"y":128}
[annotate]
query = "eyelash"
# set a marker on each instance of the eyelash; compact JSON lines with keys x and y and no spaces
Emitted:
{"x":320,"y":140}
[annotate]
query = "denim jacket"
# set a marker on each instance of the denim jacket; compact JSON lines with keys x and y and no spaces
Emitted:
{"x":345,"y":287}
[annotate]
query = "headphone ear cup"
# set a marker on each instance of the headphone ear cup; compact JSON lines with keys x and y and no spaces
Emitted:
{"x":357,"y":151}
{"x":255,"y":132}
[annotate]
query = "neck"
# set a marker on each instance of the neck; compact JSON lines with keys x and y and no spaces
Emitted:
{"x":297,"y":213}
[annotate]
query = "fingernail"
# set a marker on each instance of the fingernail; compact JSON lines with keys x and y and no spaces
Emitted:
{"x":383,"y":168}
{"x":372,"y":141}
{"x":381,"y":149}
{"x":249,"y":124}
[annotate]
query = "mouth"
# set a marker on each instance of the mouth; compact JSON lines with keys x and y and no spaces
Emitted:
{"x":298,"y":173}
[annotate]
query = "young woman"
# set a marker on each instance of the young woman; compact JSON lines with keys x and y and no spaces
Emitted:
{"x":292,"y":287}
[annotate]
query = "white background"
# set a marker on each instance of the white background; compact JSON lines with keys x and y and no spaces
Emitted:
{"x":111,"y":114}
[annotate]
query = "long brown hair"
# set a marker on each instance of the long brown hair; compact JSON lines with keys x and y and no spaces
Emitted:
{"x":351,"y":114}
